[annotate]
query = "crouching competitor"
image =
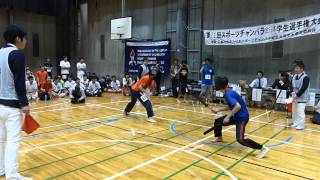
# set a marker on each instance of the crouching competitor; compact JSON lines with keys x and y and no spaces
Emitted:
{"x":238,"y":116}
{"x":139,"y":92}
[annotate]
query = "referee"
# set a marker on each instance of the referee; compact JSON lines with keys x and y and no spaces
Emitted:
{"x":13,"y":100}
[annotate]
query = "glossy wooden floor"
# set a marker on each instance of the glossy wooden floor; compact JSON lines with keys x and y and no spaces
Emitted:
{"x":94,"y":141}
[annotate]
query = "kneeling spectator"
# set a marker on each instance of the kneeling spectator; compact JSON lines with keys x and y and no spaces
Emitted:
{"x":77,"y":94}
{"x":45,"y":91}
{"x":115,"y":85}
{"x":94,"y":88}
{"x":57,"y":90}
{"x":32,"y":89}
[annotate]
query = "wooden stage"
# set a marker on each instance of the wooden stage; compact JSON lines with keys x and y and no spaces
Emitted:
{"x":95,"y":141}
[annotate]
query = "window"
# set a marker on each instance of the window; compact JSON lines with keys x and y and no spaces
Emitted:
{"x":102,"y":48}
{"x":35,"y":43}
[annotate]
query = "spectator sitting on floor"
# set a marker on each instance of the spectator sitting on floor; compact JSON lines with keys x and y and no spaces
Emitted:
{"x":127,"y":83}
{"x":115,"y":85}
{"x":32,"y":89}
{"x":77,"y":94}
{"x":94,"y":88}
{"x":68,"y":85}
{"x":85,"y":82}
{"x":108,"y":82}
{"x":45,"y":91}
{"x":57,"y":90}
{"x":102,"y":82}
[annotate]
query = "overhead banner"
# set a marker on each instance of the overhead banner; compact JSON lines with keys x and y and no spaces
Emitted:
{"x":155,"y":51}
{"x":264,"y":33}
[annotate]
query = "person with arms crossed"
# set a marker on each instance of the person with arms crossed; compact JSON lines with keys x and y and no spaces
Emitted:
{"x":261,"y":82}
{"x":42,"y":76}
{"x":65,"y":68}
{"x":13,"y":100}
{"x":81,"y":68}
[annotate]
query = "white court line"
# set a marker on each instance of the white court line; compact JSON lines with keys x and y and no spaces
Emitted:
{"x":196,"y":148}
{"x":74,"y":107}
{"x":166,"y":155}
{"x":198,"y":125}
{"x":81,"y":121}
{"x":48,"y":106}
{"x":133,"y":141}
{"x":261,"y":122}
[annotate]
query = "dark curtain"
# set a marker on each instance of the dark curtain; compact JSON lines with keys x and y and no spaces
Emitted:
{"x":46,"y":7}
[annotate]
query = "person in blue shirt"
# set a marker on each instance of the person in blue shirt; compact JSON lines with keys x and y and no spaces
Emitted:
{"x":238,"y":116}
{"x":207,"y":73}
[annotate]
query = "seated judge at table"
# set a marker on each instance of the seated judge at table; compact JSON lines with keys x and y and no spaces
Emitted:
{"x":283,"y":82}
{"x":260,"y":82}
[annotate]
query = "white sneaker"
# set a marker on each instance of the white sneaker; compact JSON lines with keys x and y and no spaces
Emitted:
{"x":26,"y":178}
{"x":299,"y":128}
{"x":217,"y":139}
{"x":151,"y":120}
{"x":263,"y":152}
{"x":293,"y":126}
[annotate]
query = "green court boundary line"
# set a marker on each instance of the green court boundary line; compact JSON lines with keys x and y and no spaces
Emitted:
{"x":248,"y":154}
{"x":192,"y":164}
{"x":103,"y":160}
{"x":113,"y":145}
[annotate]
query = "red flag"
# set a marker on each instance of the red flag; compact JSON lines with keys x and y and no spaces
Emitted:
{"x":30,"y":125}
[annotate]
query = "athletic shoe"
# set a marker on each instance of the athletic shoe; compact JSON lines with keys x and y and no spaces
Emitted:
{"x":217,"y":139}
{"x":151,"y":120}
{"x":263,"y":152}
{"x":299,"y":128}
{"x":293,"y":126}
{"x":125,"y":113}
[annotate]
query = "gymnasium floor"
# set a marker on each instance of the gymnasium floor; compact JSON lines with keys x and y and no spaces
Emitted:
{"x":94,"y":141}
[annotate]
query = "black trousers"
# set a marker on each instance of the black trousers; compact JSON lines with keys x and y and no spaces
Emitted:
{"x":135,"y":95}
{"x":240,"y":130}
{"x":174,"y":83}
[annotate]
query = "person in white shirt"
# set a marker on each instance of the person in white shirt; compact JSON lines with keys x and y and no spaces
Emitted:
{"x":85,"y":82}
{"x":261,"y":82}
{"x":32,"y":89}
{"x":127,"y":82}
{"x":81,"y":68}
{"x":65,"y":68}
{"x":115,"y":85}
{"x":57,"y":90}
{"x":68,"y":85}
{"x":77,"y":94}
{"x":94,"y":88}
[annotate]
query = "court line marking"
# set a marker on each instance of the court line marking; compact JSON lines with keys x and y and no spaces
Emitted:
{"x":85,"y":105}
{"x":134,"y":141}
{"x":196,"y":148}
{"x":174,"y":130}
{"x":275,"y":124}
{"x":252,"y":119}
{"x":41,"y":107}
{"x":152,"y":133}
{"x":166,"y":155}
{"x":81,"y":121}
